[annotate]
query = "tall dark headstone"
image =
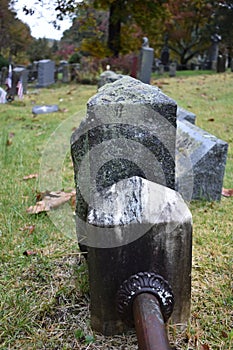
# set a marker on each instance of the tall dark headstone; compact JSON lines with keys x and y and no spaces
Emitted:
{"x":46,"y":69}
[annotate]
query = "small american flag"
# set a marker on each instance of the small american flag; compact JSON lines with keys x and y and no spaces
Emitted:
{"x":20,"y":88}
{"x":9,"y":78}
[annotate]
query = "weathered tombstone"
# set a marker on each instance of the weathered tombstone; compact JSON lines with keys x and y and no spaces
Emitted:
{"x":136,"y":226}
{"x":108,"y":76}
{"x":21,"y":73}
{"x":161,"y":69}
{"x":183,"y":114}
{"x":65,"y":73}
{"x":129,"y":218}
{"x":172,"y":69}
{"x":46,"y":69}
{"x":221,"y":64}
{"x":146,"y":62}
{"x":200,"y":163}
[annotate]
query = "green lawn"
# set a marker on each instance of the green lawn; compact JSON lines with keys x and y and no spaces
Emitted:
{"x":43,"y":278}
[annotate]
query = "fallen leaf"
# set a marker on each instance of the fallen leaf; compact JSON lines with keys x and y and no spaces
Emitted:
{"x":50,"y":200}
{"x":31,"y":176}
{"x":211,"y":120}
{"x":227,"y":192}
{"x":204,"y":347}
{"x":29,"y":228}
{"x":29,"y":252}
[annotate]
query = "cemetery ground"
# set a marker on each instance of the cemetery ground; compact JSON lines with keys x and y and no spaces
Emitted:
{"x":43,"y":277}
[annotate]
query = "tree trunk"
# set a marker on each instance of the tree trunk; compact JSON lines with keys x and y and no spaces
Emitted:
{"x":114,"y":28}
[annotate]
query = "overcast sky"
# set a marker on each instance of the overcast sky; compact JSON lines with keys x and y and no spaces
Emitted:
{"x":39,"y":23}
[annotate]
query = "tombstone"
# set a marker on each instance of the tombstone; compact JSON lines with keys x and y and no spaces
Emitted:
{"x":21,"y":73}
{"x":172,"y":69}
{"x":108,"y":76}
{"x":46,"y":69}
{"x":165,"y":54}
{"x":161,"y":69}
{"x":200,"y":163}
{"x":146,"y":62}
{"x":65,"y":73}
{"x":145,"y":224}
{"x":221,"y":63}
{"x":128,"y":216}
{"x":183,"y":114}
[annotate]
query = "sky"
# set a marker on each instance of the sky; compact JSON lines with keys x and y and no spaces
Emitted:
{"x":39,"y":22}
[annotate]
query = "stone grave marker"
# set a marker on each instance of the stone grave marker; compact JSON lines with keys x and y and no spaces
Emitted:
{"x":128,"y":216}
{"x":146,"y":62}
{"x":21,"y":73}
{"x":46,"y":69}
{"x":183,"y":114}
{"x":200,"y":163}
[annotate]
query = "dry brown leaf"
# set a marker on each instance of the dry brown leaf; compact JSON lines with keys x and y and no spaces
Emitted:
{"x":29,"y":228}
{"x":50,"y":200}
{"x":227,"y":192}
{"x":31,"y":176}
{"x":204,"y":347}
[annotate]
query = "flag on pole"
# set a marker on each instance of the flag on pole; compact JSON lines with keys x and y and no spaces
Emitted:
{"x":20,"y":88}
{"x":9,"y":78}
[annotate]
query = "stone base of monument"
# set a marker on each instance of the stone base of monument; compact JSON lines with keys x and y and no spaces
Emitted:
{"x":200,"y":163}
{"x":136,"y":226}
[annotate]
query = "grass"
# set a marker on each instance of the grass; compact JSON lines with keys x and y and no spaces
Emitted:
{"x":44,"y":302}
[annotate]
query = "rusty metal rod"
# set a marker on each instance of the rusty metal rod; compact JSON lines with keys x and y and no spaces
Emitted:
{"x":149,"y":323}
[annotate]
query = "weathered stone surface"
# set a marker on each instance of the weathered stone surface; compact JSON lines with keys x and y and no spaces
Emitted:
{"x":200,"y":163}
{"x":134,"y":226}
{"x":108,"y":76}
{"x":183,"y":114}
{"x":130,"y":130}
{"x":46,"y":69}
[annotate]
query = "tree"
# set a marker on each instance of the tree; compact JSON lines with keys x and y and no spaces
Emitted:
{"x":121,"y":12}
{"x":189,"y":27}
{"x":14,"y":34}
{"x":39,"y":49}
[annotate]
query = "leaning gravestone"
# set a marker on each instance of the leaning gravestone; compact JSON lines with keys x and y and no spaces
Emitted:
{"x":125,"y":117}
{"x":200,"y":163}
{"x":128,"y":216}
{"x":183,"y":114}
{"x":46,"y":69}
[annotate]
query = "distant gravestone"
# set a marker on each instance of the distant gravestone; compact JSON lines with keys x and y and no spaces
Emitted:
{"x":46,"y":69}
{"x":65,"y":73}
{"x":108,"y":76}
{"x":183,"y":114}
{"x":21,"y":73}
{"x":200,"y":163}
{"x":172,"y":69}
{"x":146,"y":62}
{"x":221,"y":64}
{"x":161,"y":69}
